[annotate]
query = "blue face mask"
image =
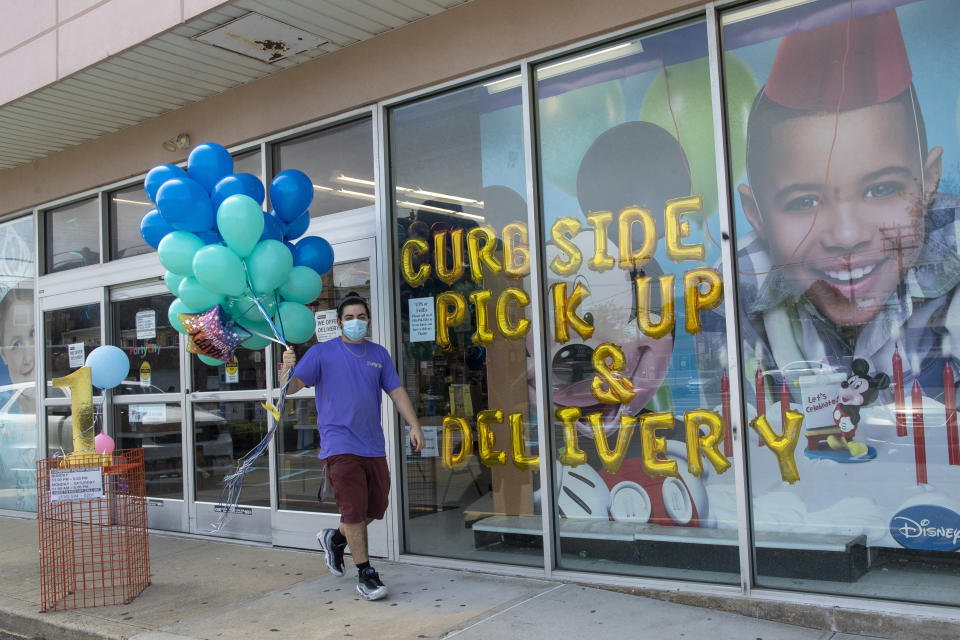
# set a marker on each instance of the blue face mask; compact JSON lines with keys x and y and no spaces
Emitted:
{"x":355,"y":329}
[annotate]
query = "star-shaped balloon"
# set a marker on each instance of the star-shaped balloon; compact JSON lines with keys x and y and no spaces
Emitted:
{"x":209,"y":335}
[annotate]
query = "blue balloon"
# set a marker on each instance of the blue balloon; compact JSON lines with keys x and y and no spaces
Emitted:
{"x":109,"y":365}
{"x":272,"y":227}
{"x":237,"y":184}
{"x":313,"y":252}
{"x":228,"y":186}
{"x":185,"y":205}
{"x":158,"y":175}
{"x":208,"y":163}
{"x":253,"y":187}
{"x":291,"y":193}
{"x":153,"y":228}
{"x":210,"y":236}
{"x":298,"y":227}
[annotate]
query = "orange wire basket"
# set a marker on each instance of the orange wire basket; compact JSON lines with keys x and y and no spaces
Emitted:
{"x":94,"y":552}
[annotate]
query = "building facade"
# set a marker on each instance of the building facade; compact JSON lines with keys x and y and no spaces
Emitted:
{"x":671,"y":284}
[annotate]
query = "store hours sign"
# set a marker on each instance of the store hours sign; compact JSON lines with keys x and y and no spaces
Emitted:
{"x":68,"y":485}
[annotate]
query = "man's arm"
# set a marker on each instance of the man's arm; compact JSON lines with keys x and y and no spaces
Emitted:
{"x":405,"y":407}
{"x":289,"y":361}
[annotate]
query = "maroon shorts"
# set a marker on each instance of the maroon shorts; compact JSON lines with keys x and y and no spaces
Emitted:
{"x":361,"y":486}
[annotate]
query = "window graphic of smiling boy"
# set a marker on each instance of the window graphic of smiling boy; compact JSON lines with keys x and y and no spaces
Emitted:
{"x":853,"y":252}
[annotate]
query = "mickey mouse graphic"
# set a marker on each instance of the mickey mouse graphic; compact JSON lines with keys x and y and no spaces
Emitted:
{"x":858,"y":390}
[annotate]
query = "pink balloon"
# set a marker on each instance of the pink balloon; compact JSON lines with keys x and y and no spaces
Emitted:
{"x":103,"y":443}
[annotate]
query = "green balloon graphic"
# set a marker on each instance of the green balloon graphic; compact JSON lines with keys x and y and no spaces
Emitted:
{"x":570,"y":122}
{"x":689,"y":114}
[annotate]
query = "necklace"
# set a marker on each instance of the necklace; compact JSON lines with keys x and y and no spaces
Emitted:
{"x":351,"y":352}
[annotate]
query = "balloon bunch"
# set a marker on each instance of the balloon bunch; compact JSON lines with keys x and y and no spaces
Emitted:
{"x":239,"y":277}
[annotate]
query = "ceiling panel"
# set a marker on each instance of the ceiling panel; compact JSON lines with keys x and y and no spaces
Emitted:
{"x":174,"y":69}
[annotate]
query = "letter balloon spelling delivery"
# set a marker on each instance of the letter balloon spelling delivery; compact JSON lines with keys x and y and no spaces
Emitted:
{"x":241,"y":277}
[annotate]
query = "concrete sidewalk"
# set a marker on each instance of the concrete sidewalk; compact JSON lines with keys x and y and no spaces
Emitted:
{"x":204,"y":588}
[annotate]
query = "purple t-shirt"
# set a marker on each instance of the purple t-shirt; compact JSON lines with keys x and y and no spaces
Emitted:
{"x":348,"y":379}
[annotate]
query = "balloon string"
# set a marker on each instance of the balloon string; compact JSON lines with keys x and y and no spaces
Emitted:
{"x":264,"y":336}
{"x":281,"y":339}
{"x":233,"y":483}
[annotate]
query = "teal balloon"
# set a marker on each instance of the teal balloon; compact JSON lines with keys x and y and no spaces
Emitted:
{"x":253,"y":313}
{"x":303,"y":285}
{"x":269,"y":265}
{"x":176,"y":308}
{"x":219,"y":269}
{"x":570,"y":122}
{"x":173,"y":280}
{"x":213,"y":362}
{"x":176,"y":252}
{"x":297,"y":320}
{"x":255,"y":343}
{"x":240,"y":221}
{"x":198,"y":297}
{"x":260,"y":326}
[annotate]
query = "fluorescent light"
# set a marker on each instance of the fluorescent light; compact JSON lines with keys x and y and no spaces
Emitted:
{"x":428,"y":207}
{"x":354,"y":194}
{"x":761,"y":10}
{"x":317,"y":187}
{"x":138,"y":202}
{"x":343,"y":178}
{"x":444,"y":196}
{"x":573,"y":64}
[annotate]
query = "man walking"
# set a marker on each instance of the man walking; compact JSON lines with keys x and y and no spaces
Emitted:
{"x":349,"y":373}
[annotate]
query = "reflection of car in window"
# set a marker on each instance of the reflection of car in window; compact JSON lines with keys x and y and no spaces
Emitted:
{"x":159,"y":433}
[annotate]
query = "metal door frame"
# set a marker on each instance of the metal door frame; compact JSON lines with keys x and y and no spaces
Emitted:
{"x":162,"y":513}
{"x":298,"y":528}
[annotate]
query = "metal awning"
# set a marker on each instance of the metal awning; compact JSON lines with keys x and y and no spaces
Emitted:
{"x":232,"y":45}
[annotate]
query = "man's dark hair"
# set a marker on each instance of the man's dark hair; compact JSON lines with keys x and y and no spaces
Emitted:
{"x":765,"y":114}
{"x":351,"y":298}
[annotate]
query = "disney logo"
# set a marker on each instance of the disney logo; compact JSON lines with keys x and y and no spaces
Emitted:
{"x":930,"y":527}
{"x":913,"y":529}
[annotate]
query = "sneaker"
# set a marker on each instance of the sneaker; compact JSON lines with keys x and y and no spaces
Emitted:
{"x":369,"y":585}
{"x":332,"y":552}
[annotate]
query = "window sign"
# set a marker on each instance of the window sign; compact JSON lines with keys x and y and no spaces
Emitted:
{"x":844,"y":184}
{"x":76,"y":355}
{"x":146,"y":324}
{"x":326,"y":324}
{"x":68,"y":485}
{"x":422,"y":321}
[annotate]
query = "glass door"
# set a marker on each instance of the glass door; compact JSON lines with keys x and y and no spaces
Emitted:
{"x":147,"y":407}
{"x":72,"y":328}
{"x":305,"y":503}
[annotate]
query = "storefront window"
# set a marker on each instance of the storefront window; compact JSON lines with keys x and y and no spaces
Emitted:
{"x":153,"y":346}
{"x":339,"y":160}
{"x":644,"y":484}
{"x":225,"y":432}
{"x":248,"y":162}
{"x":69,"y":336}
{"x":72,"y":235}
{"x":127,"y":208}
{"x":246,"y":372}
{"x":18,"y":396}
{"x":460,"y":224}
{"x":846,"y":232}
{"x":156,"y":428}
